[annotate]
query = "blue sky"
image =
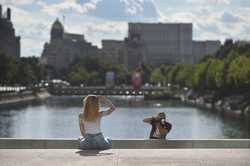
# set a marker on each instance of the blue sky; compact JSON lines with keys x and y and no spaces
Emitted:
{"x":107,"y":19}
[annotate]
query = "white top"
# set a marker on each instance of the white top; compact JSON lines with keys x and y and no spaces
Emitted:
{"x":95,"y":126}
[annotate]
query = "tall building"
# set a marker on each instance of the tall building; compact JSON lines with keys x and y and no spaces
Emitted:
{"x":114,"y":51}
{"x":147,"y":43}
{"x":64,"y":47}
{"x":202,"y":48}
{"x":154,"y":44}
{"x":9,"y":42}
{"x":171,"y":43}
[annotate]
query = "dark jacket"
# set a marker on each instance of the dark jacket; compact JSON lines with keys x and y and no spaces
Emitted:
{"x":159,"y":129}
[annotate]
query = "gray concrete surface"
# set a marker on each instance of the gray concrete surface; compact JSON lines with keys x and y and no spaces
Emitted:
{"x":18,"y":143}
{"x":124,"y":157}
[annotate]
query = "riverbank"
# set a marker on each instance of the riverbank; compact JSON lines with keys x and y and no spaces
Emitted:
{"x":7,"y":99}
{"x":236,"y":104}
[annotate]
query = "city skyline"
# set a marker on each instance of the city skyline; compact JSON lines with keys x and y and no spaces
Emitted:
{"x":212,"y":19}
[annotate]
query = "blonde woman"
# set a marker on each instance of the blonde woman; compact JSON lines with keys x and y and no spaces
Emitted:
{"x":90,"y":121}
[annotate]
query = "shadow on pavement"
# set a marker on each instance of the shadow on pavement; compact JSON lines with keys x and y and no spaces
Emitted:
{"x":92,"y":153}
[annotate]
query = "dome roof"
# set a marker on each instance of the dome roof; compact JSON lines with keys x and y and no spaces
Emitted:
{"x":57,"y":25}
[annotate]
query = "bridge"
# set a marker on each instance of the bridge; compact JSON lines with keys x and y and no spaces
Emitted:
{"x":127,"y":91}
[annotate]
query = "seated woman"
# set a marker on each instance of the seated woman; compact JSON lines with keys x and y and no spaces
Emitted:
{"x":89,"y":122}
{"x":160,"y":127}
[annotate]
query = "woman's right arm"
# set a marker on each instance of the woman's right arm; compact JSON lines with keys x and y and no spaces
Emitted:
{"x":110,"y":105}
{"x":81,"y":124}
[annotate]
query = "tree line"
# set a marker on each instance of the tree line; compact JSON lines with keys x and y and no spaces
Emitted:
{"x":26,"y":71}
{"x":91,"y":71}
{"x":226,"y":71}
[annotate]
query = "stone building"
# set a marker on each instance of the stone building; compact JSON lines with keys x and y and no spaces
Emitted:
{"x":202,"y":48}
{"x":154,"y":44}
{"x":64,"y":47}
{"x":9,"y":42}
{"x":114,"y":51}
{"x":158,"y":43}
{"x":147,"y":43}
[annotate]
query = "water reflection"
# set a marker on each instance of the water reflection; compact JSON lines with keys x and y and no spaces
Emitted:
{"x":56,"y":117}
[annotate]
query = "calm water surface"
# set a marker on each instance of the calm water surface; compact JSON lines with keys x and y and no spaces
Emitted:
{"x":57,"y":117}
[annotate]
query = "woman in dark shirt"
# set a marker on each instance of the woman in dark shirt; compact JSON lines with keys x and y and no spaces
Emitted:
{"x":160,"y":127}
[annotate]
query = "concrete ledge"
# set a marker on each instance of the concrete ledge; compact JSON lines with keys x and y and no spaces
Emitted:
{"x":16,"y":143}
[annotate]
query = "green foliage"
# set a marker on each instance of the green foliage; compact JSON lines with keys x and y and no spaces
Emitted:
{"x":91,"y":71}
{"x":157,"y":76}
{"x":199,"y":75}
{"x":184,"y":75}
{"x":215,"y":76}
{"x":80,"y":76}
{"x":172,"y":73}
{"x":7,"y":69}
{"x":239,"y":72}
{"x":23,"y":71}
{"x":147,"y":71}
{"x":121,"y":74}
{"x":228,"y":70}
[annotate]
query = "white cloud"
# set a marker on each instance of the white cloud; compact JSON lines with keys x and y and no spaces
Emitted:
{"x":54,"y":9}
{"x":210,"y":24}
{"x":16,"y":2}
{"x":230,"y":17}
{"x":135,"y":10}
{"x":133,"y":6}
{"x":34,"y":32}
{"x":107,"y":19}
{"x":213,"y":2}
{"x":91,"y":5}
{"x":95,"y":31}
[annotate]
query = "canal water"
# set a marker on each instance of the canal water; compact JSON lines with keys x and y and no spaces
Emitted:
{"x":57,"y":117}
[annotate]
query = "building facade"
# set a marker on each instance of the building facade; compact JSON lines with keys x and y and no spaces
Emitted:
{"x":202,"y":48}
{"x":9,"y":42}
{"x":155,"y":44}
{"x":146,"y":43}
{"x":114,"y":50}
{"x":64,"y":47}
{"x":161,"y":43}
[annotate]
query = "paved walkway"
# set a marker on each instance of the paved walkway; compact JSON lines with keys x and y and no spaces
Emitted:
{"x":124,"y":157}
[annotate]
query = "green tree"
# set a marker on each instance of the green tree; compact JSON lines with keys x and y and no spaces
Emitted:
{"x":94,"y":79}
{"x":211,"y":73}
{"x":157,"y":76}
{"x":80,"y":76}
{"x":184,"y":75}
{"x":8,"y":69}
{"x":238,"y":74}
{"x":199,"y":75}
{"x":171,"y":76}
{"x":120,"y":74}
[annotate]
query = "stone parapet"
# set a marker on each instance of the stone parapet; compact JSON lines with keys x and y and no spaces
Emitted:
{"x":18,"y":143}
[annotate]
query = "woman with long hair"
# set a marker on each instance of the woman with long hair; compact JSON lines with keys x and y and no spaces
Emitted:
{"x":90,"y":123}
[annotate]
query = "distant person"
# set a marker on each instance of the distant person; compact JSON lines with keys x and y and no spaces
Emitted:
{"x":137,"y":78}
{"x":160,"y":127}
{"x":90,"y":123}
